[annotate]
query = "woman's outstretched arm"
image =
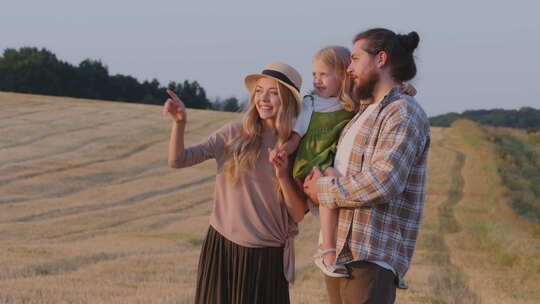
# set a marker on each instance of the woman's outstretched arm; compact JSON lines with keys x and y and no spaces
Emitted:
{"x":176,"y":144}
{"x":179,"y":156}
{"x":176,"y":110}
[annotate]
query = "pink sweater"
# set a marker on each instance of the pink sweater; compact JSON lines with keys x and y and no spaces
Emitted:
{"x":248,"y":213}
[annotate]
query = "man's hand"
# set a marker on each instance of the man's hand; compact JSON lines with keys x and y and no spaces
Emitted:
{"x":310,"y":185}
{"x":331,"y":171}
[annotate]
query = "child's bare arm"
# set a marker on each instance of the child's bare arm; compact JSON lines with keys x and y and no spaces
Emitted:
{"x":291,"y":144}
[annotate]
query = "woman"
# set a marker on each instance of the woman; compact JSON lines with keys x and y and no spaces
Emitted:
{"x":247,"y":256}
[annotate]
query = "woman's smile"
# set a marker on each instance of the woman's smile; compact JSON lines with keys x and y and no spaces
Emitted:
{"x":267,"y":98}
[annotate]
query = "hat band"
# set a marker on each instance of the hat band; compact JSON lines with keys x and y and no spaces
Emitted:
{"x":281,"y":77}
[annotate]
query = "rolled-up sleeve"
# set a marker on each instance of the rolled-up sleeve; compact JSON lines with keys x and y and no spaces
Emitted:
{"x":211,"y":147}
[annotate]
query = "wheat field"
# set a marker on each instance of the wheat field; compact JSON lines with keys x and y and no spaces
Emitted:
{"x":90,"y":212}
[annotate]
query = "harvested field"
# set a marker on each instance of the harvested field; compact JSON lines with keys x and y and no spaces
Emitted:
{"x":90,"y":212}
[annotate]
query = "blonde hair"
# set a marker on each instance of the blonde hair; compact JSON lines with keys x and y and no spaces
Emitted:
{"x":338,"y":58}
{"x":242,"y":152}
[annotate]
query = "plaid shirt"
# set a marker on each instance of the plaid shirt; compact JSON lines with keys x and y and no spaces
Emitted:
{"x":381,"y":196}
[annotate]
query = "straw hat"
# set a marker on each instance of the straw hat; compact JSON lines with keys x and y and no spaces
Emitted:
{"x":282,"y":72}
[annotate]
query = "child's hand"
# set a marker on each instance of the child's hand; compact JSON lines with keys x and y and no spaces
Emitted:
{"x":310,"y":185}
{"x":409,"y":89}
{"x":273,"y":153}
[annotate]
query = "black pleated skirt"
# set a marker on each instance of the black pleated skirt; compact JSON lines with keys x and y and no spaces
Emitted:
{"x":232,"y":274}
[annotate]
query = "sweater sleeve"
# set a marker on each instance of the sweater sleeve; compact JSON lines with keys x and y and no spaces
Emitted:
{"x":212,"y":146}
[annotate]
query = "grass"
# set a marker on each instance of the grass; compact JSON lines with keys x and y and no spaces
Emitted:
{"x":519,"y":166}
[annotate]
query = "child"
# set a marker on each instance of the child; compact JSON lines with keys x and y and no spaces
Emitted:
{"x":316,"y":132}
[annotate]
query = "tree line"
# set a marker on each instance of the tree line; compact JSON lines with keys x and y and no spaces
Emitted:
{"x":39,"y":71}
{"x":523,"y":118}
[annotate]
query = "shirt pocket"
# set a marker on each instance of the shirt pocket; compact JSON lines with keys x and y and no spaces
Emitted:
{"x":356,"y":160}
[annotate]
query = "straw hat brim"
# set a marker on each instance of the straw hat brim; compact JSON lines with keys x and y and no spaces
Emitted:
{"x":251,"y":80}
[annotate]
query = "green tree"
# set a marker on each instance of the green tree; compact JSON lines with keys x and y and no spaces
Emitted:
{"x":38,"y":71}
{"x":231,"y":105}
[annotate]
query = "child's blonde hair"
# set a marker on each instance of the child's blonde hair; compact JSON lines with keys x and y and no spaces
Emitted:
{"x":338,"y":58}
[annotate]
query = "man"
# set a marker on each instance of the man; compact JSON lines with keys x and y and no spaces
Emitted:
{"x":379,"y":176}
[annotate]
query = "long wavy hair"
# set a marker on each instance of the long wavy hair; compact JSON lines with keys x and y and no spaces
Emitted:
{"x":242,"y":152}
{"x":338,"y":58}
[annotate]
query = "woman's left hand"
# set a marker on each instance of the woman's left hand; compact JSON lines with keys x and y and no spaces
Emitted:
{"x":280,"y":161}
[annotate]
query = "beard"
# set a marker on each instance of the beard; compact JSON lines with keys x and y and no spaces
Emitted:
{"x":364,"y":87}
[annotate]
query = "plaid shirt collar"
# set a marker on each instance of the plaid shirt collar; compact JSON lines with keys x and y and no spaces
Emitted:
{"x":392,"y":95}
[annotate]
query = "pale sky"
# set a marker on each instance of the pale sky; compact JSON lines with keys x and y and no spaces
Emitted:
{"x":472,"y":54}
